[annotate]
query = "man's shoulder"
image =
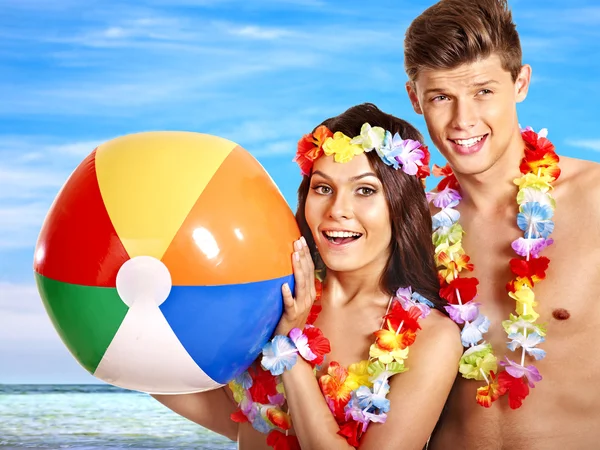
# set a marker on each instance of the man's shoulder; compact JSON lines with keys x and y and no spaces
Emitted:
{"x":579,"y":176}
{"x":578,"y":187}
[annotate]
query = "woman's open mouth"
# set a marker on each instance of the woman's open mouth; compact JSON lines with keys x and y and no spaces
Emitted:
{"x":341,"y":237}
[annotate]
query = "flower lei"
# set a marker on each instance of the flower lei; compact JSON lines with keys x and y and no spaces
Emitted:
{"x":406,"y":154}
{"x":539,"y":167}
{"x":356,"y":396}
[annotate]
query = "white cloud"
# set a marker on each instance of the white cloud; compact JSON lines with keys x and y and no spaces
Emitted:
{"x":590,"y":144}
{"x":20,"y":225}
{"x":19,"y":299}
{"x":256,"y":32}
{"x":23,"y":318}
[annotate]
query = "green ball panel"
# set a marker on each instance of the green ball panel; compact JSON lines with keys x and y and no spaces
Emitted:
{"x":85,"y":317}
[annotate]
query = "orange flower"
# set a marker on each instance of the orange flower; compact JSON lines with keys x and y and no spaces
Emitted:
{"x":310,"y":147}
{"x":335,"y":389}
{"x":539,"y":154}
{"x":519,"y":283}
{"x":279,"y":418}
{"x":453,"y":266}
{"x":390,"y":341}
{"x":486,"y":395}
{"x":539,"y":160}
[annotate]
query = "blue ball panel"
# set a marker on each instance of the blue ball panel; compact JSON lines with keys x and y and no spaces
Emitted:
{"x":224,"y":328}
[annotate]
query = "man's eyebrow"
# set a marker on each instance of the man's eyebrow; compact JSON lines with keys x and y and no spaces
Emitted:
{"x":355,"y":178}
{"x":483,"y":83}
{"x":477,"y":84}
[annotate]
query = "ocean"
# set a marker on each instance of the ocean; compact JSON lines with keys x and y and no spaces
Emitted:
{"x":90,"y":417}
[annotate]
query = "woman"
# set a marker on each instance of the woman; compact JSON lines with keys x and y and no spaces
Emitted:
{"x":367,"y":358}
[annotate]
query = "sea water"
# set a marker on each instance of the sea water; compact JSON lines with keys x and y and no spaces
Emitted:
{"x":95,"y":417}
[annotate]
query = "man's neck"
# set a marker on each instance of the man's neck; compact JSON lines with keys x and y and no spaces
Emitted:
{"x":493,"y":190}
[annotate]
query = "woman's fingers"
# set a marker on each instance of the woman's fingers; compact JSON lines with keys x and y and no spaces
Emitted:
{"x":289,"y":303}
{"x":307,"y":299}
{"x":299,"y":276}
{"x":311,"y":270}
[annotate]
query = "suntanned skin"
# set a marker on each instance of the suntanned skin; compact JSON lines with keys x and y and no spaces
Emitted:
{"x":563,"y":410}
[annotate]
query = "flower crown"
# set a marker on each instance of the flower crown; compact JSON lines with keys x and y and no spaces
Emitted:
{"x":406,"y":154}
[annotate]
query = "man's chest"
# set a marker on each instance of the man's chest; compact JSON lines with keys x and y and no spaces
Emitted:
{"x":567,"y":298}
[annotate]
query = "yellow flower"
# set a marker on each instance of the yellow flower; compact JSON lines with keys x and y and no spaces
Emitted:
{"x":524,"y":295}
{"x":341,"y":148}
{"x":358,"y":375}
{"x":238,"y":391}
{"x":532,"y":180}
{"x":387,"y":357}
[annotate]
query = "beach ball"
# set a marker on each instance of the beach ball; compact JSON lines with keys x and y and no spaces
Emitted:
{"x":161,"y":260}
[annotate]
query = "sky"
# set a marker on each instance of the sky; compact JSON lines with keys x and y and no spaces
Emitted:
{"x":74,"y":74}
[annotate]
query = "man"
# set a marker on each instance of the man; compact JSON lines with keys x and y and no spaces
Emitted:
{"x":463,"y":60}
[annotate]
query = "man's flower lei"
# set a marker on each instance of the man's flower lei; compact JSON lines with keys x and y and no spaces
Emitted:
{"x":356,"y":396}
{"x":409,"y":155}
{"x":539,"y":167}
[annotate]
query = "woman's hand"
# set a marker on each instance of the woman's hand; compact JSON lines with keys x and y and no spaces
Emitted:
{"x":296,"y":310}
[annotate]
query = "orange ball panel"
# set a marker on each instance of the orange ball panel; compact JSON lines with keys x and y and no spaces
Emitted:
{"x":250,"y":239}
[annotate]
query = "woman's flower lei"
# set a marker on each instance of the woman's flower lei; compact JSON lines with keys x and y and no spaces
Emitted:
{"x":356,"y":396}
{"x":539,"y":167}
{"x":406,"y":154}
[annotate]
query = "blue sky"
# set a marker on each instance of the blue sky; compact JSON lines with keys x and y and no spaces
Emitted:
{"x":74,"y":74}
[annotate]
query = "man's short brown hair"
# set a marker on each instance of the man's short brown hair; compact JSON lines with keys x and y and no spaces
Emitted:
{"x":454,"y":32}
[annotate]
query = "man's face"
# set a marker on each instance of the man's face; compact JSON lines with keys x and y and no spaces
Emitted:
{"x":470,"y":112}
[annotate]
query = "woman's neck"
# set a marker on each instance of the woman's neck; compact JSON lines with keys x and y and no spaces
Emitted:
{"x":342,"y":288}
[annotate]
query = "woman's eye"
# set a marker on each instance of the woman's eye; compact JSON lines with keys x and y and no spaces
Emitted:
{"x":324,"y":190}
{"x":366,"y":191}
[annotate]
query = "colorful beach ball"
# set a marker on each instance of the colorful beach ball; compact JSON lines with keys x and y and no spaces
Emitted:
{"x":161,"y":261}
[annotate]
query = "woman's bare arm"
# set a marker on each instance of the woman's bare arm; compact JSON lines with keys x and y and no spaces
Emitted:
{"x":211,"y":409}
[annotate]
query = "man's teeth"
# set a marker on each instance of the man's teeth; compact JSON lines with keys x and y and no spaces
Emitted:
{"x":341,"y":234}
{"x":468,"y":142}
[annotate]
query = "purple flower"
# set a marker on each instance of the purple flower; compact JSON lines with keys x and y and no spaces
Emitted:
{"x":446,"y":198}
{"x":409,"y":299}
{"x":517,"y":371}
{"x":532,"y":247}
{"x":463,"y":313}
{"x":411,"y":156}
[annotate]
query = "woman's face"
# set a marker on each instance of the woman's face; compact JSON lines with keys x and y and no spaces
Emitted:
{"x":348,"y":215}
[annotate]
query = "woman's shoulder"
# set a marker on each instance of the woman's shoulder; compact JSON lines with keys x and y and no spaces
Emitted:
{"x":440,"y":336}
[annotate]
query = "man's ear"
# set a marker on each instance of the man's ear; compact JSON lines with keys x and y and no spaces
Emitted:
{"x":412,"y":95}
{"x":522,"y":83}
